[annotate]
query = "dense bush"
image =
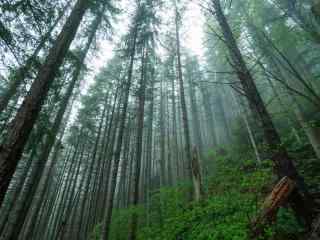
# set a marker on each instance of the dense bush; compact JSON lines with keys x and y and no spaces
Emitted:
{"x":236,"y":189}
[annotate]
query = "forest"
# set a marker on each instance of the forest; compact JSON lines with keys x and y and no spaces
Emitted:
{"x":159,"y":120}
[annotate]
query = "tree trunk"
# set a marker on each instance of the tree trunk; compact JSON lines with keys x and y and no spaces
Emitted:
{"x":283,"y":164}
{"x":62,"y":229}
{"x":117,"y":153}
{"x":311,"y":132}
{"x":50,"y":140}
{"x":163,"y":180}
{"x":22,"y":71}
{"x":107,"y":153}
{"x":183,"y":100}
{"x":209,"y":114}
{"x":195,"y":117}
{"x":16,"y":139}
{"x":176,"y":154}
{"x":277,"y":198}
{"x":91,"y":219}
{"x":124,"y":167}
{"x":140,"y":126}
{"x":149,"y":146}
{"x":196,"y":175}
{"x":9,"y":205}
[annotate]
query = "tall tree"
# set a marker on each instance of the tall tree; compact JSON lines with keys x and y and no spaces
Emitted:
{"x":16,"y":139}
{"x":182,"y":92}
{"x":20,"y":74}
{"x":118,"y":147}
{"x":300,"y":200}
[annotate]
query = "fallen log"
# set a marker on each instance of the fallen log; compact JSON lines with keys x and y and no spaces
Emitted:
{"x":277,"y":198}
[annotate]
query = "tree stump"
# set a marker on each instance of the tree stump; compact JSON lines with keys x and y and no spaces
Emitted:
{"x":277,"y":198}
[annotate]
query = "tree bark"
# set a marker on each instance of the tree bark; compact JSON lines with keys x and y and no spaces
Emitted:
{"x":195,"y":115}
{"x":196,"y":175}
{"x":16,"y":139}
{"x":209,"y":114}
{"x":300,"y":200}
{"x":117,"y":153}
{"x":163,"y":180}
{"x":15,"y":193}
{"x":140,"y":126}
{"x":22,"y":71}
{"x":277,"y":198}
{"x":183,"y":100}
{"x":149,"y":146}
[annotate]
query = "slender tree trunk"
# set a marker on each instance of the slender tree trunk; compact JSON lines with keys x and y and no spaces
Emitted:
{"x":175,"y":146}
{"x":183,"y":100}
{"x":140,"y":126}
{"x":41,"y":162}
{"x":195,"y":118}
{"x":66,"y":189}
{"x":117,"y":153}
{"x":101,"y":162}
{"x":56,"y":195}
{"x":124,"y":167}
{"x":15,"y":193}
{"x":62,"y":229}
{"x":163,"y":180}
{"x":149,"y":147}
{"x":84,"y":178}
{"x":107,"y":153}
{"x":285,"y":108}
{"x":91,"y":219}
{"x":110,"y":156}
{"x":245,"y":116}
{"x":311,"y":132}
{"x":49,"y":143}
{"x":183,"y":162}
{"x":300,"y":200}
{"x":209,"y":114}
{"x":42,"y":220}
{"x":170,"y":175}
{"x":91,"y":177}
{"x":49,"y":194}
{"x":16,"y":139}
{"x":196,"y":175}
{"x":23,"y":70}
{"x":225,"y":135}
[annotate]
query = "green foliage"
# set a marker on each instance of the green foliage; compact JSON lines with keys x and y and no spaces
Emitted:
{"x":236,"y":189}
{"x":286,"y":223}
{"x":95,"y":235}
